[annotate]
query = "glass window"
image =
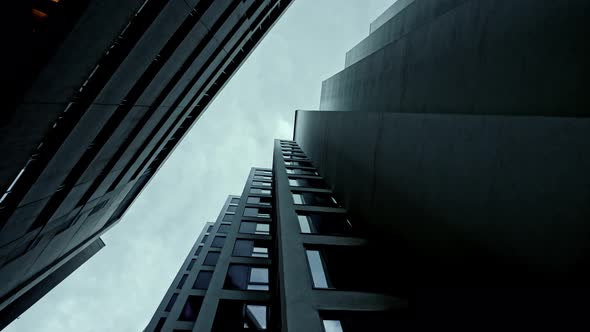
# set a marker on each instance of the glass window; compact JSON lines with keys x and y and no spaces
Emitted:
{"x":246,"y":277}
{"x":218,"y":242}
{"x":209,"y":228}
{"x":204,"y":238}
{"x":232,"y":208}
{"x":191,"y":308}
{"x":301,"y":171}
{"x":317,"y":199}
{"x":325,"y":223}
{"x":211,"y":258}
{"x":262,"y":177}
{"x":261,"y":184}
{"x":228,"y":217}
{"x":254,"y":228}
{"x":309,"y":183}
{"x":182,"y":281}
{"x":235,"y":201}
{"x":191,"y":264}
{"x":234,"y":315}
{"x":259,"y":191}
{"x":260,"y":252}
{"x":243,"y":248}
{"x":198,"y":251}
{"x":257,"y":212}
{"x":223,"y":228}
{"x":332,"y":325}
{"x":203,"y":280}
{"x":256,"y":315}
{"x":171,"y":302}
{"x":259,"y":200}
{"x":316,"y":268}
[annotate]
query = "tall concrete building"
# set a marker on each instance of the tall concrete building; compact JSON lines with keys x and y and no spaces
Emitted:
{"x":102,"y":92}
{"x":282,"y":256}
{"x":458,"y":135}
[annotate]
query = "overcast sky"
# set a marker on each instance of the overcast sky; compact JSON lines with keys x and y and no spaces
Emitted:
{"x":121,"y":286}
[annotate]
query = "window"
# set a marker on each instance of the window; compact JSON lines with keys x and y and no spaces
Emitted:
{"x":191,"y":309}
{"x":254,"y":228}
{"x":298,"y":163}
{"x":309,"y":183}
{"x":182,"y":281}
{"x":235,"y":201}
{"x":259,"y":200}
{"x":331,"y":325}
{"x":203,"y":280}
{"x":233,"y":315}
{"x":232,"y":208}
{"x":191,"y":264}
{"x":171,"y":302}
{"x":329,"y":267}
{"x":325,"y":224}
{"x":209,"y":228}
{"x":268,"y":173}
{"x":301,"y":171}
{"x":316,"y":267}
{"x":257,"y":212}
{"x":261,"y":184}
{"x":211,"y":258}
{"x":316,"y":199}
{"x":218,"y":242}
{"x":259,"y":191}
{"x":204,"y":238}
{"x":228,"y":217}
{"x":198,"y":251}
{"x":250,"y":248}
{"x":160,"y":324}
{"x":223,"y":228}
{"x":246,"y":277}
{"x":262,"y":177}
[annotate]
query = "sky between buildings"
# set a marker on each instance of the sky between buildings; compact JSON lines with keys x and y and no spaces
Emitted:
{"x":122,"y":285}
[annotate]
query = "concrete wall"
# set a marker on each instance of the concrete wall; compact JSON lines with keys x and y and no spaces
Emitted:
{"x":524,"y":57}
{"x":471,"y":199}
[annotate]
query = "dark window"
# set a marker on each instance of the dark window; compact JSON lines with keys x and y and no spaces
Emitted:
{"x":223,"y":228}
{"x":235,"y":201}
{"x":204,"y":238}
{"x":325,"y":224}
{"x":254,"y":228}
{"x":301,"y":171}
{"x":260,"y":191}
{"x":171,"y":302}
{"x":330,"y":268}
{"x":232,"y":208}
{"x":259,"y":200}
{"x":261,"y":184}
{"x":191,"y":264}
{"x":257,"y":212}
{"x":209,"y":229}
{"x":235,"y":315}
{"x":218,"y":242}
{"x":308,"y":183}
{"x":211,"y":258}
{"x":262,"y":178}
{"x":203,"y":280}
{"x":198,"y":251}
{"x":316,"y":199}
{"x":182,"y":281}
{"x":191,"y":308}
{"x":228,"y":217}
{"x":246,"y":277}
{"x":160,"y":324}
{"x":251,"y":248}
{"x":298,"y":163}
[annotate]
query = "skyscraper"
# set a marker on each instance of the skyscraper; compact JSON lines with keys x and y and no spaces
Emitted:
{"x":457,"y":135}
{"x":282,"y":256}
{"x":105,"y":91}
